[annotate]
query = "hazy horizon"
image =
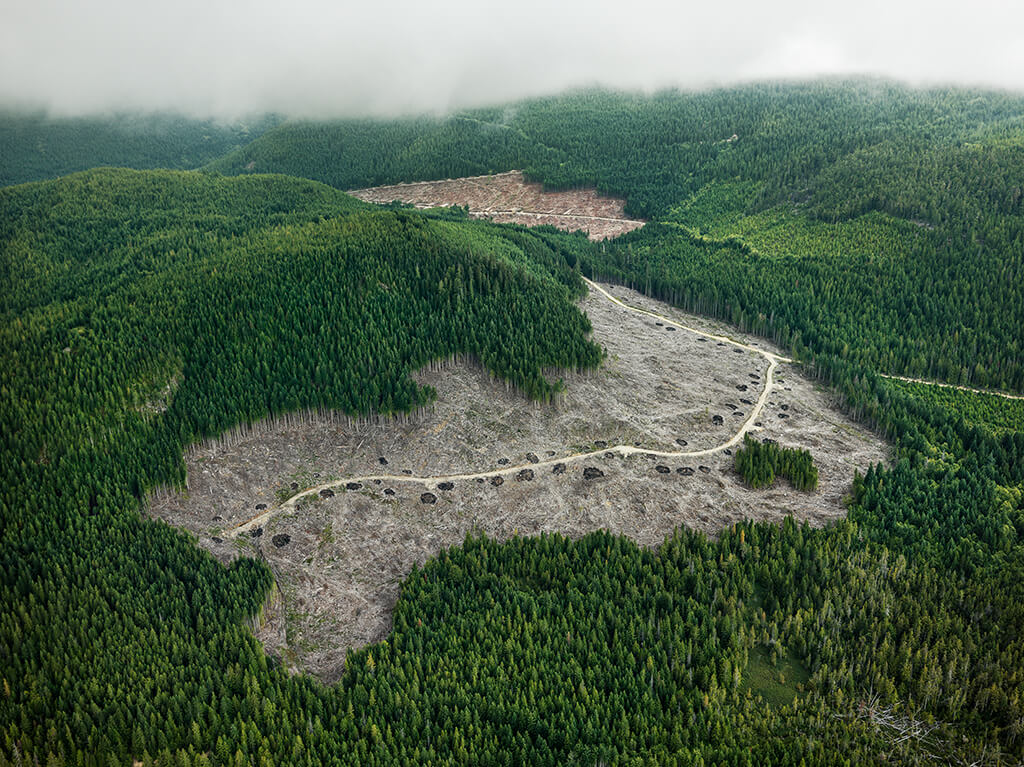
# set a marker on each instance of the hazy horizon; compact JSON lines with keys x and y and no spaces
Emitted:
{"x":212,"y":59}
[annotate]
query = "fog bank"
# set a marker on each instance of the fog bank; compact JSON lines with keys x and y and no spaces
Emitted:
{"x":223,"y":58}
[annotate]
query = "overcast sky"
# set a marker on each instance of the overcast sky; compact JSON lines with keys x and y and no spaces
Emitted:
{"x":330,"y":57}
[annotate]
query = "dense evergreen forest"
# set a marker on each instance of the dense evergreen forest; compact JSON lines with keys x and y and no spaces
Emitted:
{"x":995,"y":412}
{"x":34,"y":147}
{"x":832,"y":215}
{"x":869,"y":228}
{"x":759,"y":463}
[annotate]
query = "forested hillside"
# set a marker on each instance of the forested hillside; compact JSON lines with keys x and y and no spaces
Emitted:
{"x":145,"y":310}
{"x":34,"y":147}
{"x":853,"y":146}
{"x":844,"y":217}
{"x":363,"y":153}
{"x":869,"y":228}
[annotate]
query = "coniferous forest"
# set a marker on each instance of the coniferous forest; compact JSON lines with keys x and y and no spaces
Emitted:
{"x":35,"y":146}
{"x":867,"y":228}
{"x":759,"y":463}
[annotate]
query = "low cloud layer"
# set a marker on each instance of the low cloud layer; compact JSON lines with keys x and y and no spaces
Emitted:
{"x":228,"y":58}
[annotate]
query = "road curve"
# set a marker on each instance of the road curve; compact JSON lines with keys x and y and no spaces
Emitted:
{"x":624,"y":450}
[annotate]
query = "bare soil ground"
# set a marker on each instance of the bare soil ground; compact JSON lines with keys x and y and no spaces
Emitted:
{"x":339,"y":560}
{"x":509,"y":198}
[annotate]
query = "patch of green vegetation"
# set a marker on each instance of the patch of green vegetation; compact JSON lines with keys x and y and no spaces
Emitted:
{"x":719,"y":214}
{"x":326,"y":537}
{"x":777,"y":679}
{"x":716,"y":207}
{"x":760,"y":462}
{"x":1000,"y":415}
{"x":783,"y":232}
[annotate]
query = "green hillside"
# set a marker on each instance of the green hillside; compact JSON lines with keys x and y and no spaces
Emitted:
{"x":34,"y":147}
{"x":142,"y":310}
{"x":797,"y":139}
{"x":992,"y":411}
{"x":842,"y":216}
{"x":360,"y":153}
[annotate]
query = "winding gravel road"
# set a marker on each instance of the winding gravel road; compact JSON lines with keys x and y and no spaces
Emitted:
{"x":624,"y":450}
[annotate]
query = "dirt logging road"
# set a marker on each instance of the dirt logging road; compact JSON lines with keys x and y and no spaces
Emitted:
{"x":639,"y":447}
{"x":623,"y":450}
{"x":992,"y":392}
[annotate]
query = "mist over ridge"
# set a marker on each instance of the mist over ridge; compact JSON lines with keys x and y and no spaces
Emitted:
{"x":320,"y":60}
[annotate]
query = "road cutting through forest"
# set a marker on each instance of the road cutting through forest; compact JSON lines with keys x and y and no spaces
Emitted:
{"x":623,"y":450}
{"x":1004,"y":395}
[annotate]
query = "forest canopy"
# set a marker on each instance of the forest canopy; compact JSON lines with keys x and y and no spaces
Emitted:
{"x":34,"y":146}
{"x":868,"y":228}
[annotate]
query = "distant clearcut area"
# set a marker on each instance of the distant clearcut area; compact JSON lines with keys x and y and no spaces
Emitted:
{"x":341,"y":553}
{"x":509,"y":198}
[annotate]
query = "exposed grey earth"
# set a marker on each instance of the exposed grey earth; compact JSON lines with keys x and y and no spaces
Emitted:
{"x":342,"y":509}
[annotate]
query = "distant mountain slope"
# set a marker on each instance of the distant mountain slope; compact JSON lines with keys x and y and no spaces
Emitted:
{"x":843,"y":216}
{"x":350,"y":154}
{"x":794,"y":139}
{"x":34,"y":147}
